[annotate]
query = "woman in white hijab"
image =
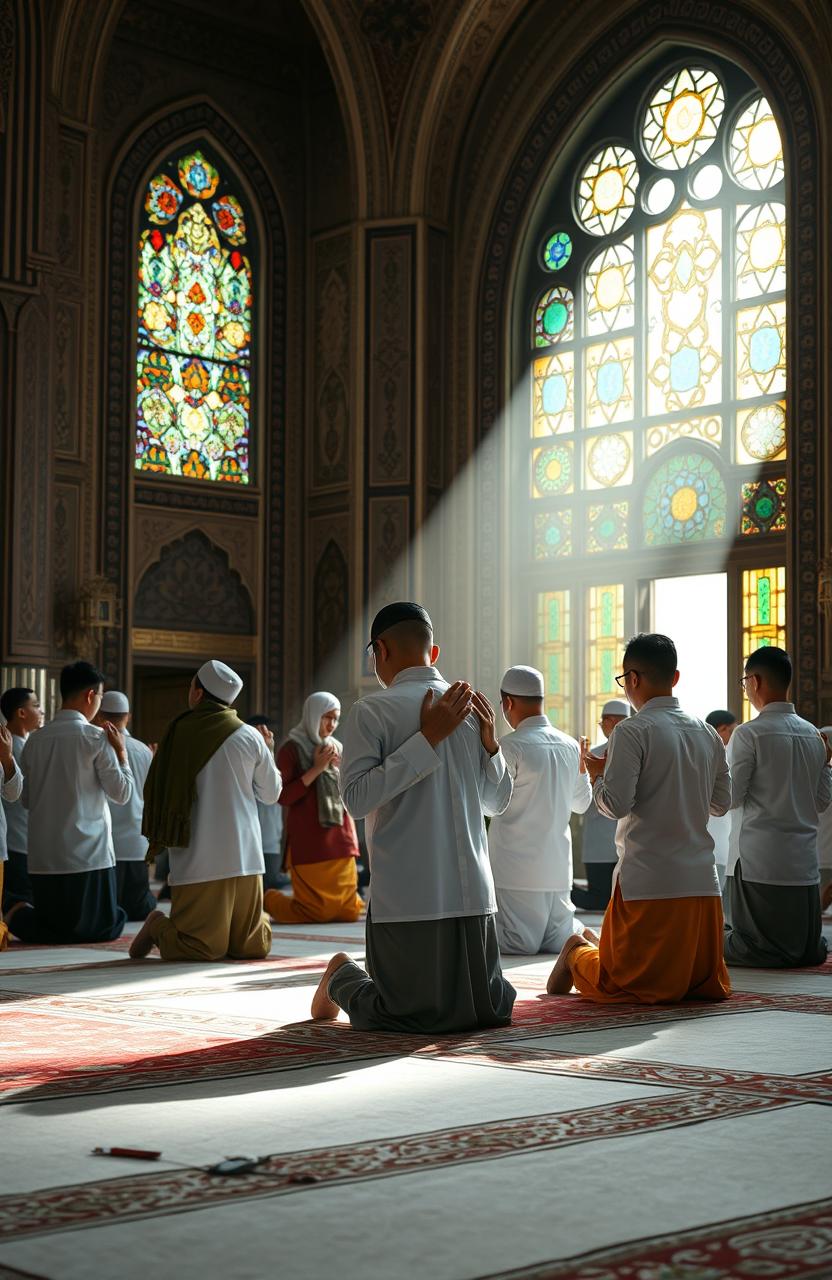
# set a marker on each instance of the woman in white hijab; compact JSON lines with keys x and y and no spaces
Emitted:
{"x":321,"y":844}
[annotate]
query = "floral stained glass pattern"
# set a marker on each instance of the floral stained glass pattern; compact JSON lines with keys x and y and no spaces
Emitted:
{"x":605,"y":632}
{"x":194,"y":329}
{"x":554,"y":318}
{"x":553,"y":395}
{"x":607,"y":527}
{"x":685,"y":501}
{"x":683,"y":117}
{"x":557,"y":251}
{"x":761,"y":433}
{"x":552,"y":534}
{"x":763,"y":507}
{"x":552,"y":471}
{"x":761,"y":350}
{"x":763,"y":613}
{"x":610,"y":279}
{"x":554,"y":654}
{"x":609,"y":461}
{"x":756,"y":149}
{"x":607,"y":190}
{"x":761,"y":250}
{"x":707,"y":429}
{"x":684,"y":360}
{"x":609,"y":383}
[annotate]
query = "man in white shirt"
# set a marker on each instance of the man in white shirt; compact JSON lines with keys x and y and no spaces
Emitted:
{"x":23,"y":715}
{"x":780,"y":785}
{"x":11,"y":788}
{"x":530,"y":844}
{"x":132,"y":880}
{"x":271,"y":819}
{"x":719,"y":826}
{"x":420,"y":768}
{"x":598,"y":851}
{"x":665,"y":771}
{"x":201,"y":803}
{"x":71,"y":768}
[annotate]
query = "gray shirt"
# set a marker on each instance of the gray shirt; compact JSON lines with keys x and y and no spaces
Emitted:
{"x":129,"y":843}
{"x":271,"y":826}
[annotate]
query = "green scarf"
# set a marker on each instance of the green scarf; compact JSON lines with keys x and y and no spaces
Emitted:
{"x":170,"y":790}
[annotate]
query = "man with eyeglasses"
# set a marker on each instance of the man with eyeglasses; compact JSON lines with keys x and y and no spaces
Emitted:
{"x":663,"y":774}
{"x":780,"y":785}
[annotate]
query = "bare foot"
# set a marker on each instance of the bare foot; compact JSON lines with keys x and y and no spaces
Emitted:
{"x":143,"y":943}
{"x":825,"y":898}
{"x":592,"y":936}
{"x":324,"y":1008}
{"x":12,"y":912}
{"x":560,"y":979}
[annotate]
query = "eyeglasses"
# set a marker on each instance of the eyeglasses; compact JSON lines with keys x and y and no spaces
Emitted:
{"x":743,"y":680}
{"x":622,"y":679}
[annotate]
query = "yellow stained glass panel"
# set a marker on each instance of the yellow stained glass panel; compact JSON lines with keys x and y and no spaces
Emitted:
{"x":763,"y":614}
{"x":605,"y":634}
{"x":554,"y":655}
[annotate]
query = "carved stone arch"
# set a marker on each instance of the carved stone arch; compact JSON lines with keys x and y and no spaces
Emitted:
{"x":192,"y":587}
{"x":84,"y":31}
{"x":157,"y":137}
{"x":767,"y":53}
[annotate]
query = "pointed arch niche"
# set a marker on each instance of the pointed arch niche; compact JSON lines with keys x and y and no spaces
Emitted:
{"x":246,"y":493}
{"x":640,"y":438}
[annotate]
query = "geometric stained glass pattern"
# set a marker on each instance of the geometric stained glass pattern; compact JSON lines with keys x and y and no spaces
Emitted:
{"x":763,"y":507}
{"x":684,"y":289}
{"x":194,"y":328}
{"x":609,"y":382}
{"x":557,"y":251}
{"x":763,"y":613}
{"x":553,"y":394}
{"x":607,"y":527}
{"x":761,"y":350}
{"x":609,"y":289}
{"x":554,"y":316}
{"x":609,"y":461}
{"x":685,"y":501}
{"x":607,"y":190}
{"x":761,"y":250}
{"x":761,"y":433}
{"x":552,"y":534}
{"x":756,"y":149}
{"x":707,"y":429}
{"x":605,"y":634}
{"x":554,"y":655}
{"x":683,"y":117}
{"x":552,"y":471}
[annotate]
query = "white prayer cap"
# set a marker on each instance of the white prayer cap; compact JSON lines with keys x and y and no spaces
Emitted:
{"x":522,"y":682}
{"x":615,"y":707}
{"x":116,"y":703}
{"x":219,"y":680}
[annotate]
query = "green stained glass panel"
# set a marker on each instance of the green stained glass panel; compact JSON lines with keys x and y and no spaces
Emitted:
{"x":764,"y":601}
{"x":607,"y":614}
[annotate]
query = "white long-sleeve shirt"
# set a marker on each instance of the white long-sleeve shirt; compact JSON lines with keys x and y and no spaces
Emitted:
{"x":70,"y":771}
{"x":423,"y":806}
{"x":666,"y":771}
{"x":530,"y":844}
{"x":15,"y":815}
{"x":271,"y":826}
{"x":598,"y":830}
{"x":225,"y":828}
{"x":129,"y":843}
{"x":11,"y":790}
{"x":780,"y":784}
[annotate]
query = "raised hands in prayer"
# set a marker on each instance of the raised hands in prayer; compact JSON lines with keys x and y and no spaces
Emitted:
{"x":593,"y":765}
{"x":6,"y":755}
{"x":325,"y":755}
{"x":442,"y":716}
{"x":583,"y":743}
{"x":484,"y":712}
{"x":266,"y":734}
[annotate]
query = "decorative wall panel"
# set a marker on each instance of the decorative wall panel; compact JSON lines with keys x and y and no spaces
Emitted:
{"x":70,"y":201}
{"x":67,"y":367}
{"x":66,"y":522}
{"x":388,"y":574}
{"x":390,"y":267}
{"x":31,"y":494}
{"x":240,"y":539}
{"x":330,"y":445}
{"x":193,"y":588}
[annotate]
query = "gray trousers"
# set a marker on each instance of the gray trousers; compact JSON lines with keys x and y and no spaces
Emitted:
{"x":430,"y":977}
{"x":772,"y":926}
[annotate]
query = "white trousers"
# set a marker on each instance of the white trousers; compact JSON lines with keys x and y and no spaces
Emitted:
{"x":530,"y":921}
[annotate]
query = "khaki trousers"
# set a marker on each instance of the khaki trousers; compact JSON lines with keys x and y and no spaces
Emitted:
{"x":214,"y":920}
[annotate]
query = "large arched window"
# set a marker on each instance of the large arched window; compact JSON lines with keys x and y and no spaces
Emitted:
{"x":193,"y":361}
{"x":654,"y":335}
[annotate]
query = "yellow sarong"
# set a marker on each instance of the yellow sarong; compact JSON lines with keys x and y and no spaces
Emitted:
{"x":323,"y":892}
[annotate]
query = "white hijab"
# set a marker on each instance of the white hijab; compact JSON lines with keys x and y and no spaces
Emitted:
{"x":307,"y":732}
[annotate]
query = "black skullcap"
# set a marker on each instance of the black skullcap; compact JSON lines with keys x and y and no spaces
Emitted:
{"x":392,"y":614}
{"x":717,"y":719}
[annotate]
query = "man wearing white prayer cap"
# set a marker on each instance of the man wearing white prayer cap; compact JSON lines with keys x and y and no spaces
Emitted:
{"x":530,"y":844}
{"x":132,"y":881}
{"x":201,"y":804}
{"x":599,"y":853}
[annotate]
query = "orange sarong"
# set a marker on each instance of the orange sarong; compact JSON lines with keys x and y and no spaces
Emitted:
{"x":323,"y":892}
{"x":4,"y":928}
{"x":657,"y":951}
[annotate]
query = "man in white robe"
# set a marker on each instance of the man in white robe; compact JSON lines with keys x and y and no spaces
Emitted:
{"x":530,"y":843}
{"x":719,"y":825}
{"x":598,"y":851}
{"x":421,"y":769}
{"x":132,"y":881}
{"x":201,"y":803}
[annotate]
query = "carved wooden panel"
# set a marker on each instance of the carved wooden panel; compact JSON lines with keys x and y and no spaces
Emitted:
{"x":437,"y":343}
{"x":70,"y":201}
{"x":65,"y":562}
{"x":331,"y":365}
{"x":31,"y":488}
{"x":66,"y":346}
{"x":331,"y":616}
{"x":390,"y":354}
{"x":154,"y":529}
{"x":193,"y":588}
{"x":388,"y":560}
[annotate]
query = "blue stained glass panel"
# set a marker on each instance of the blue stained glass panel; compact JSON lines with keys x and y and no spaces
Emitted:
{"x":764,"y":353}
{"x":684,"y":369}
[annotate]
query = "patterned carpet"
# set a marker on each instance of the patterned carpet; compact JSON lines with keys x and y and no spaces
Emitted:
{"x":600,"y":1143}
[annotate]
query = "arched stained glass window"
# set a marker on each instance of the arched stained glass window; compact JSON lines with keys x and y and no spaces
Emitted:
{"x":657,"y":433}
{"x":193,"y":360}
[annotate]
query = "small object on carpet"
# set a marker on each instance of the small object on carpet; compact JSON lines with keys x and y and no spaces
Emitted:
{"x":236,"y":1164}
{"x":126,"y":1153}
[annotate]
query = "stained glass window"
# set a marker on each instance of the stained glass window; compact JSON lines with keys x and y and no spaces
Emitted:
{"x":194,"y":326}
{"x":605,"y":645}
{"x":554,"y":655}
{"x":763,"y":613}
{"x":657,"y":359}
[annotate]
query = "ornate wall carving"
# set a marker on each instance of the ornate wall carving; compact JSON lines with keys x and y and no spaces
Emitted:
{"x":154,"y":528}
{"x":390,"y":265}
{"x":331,"y":616}
{"x":332,"y":391}
{"x":395,"y":31}
{"x":31,"y":496}
{"x":70,"y":171}
{"x":437,"y":347}
{"x":193,"y":588}
{"x":65,"y":561}
{"x":388,"y":573}
{"x":67,"y":366}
